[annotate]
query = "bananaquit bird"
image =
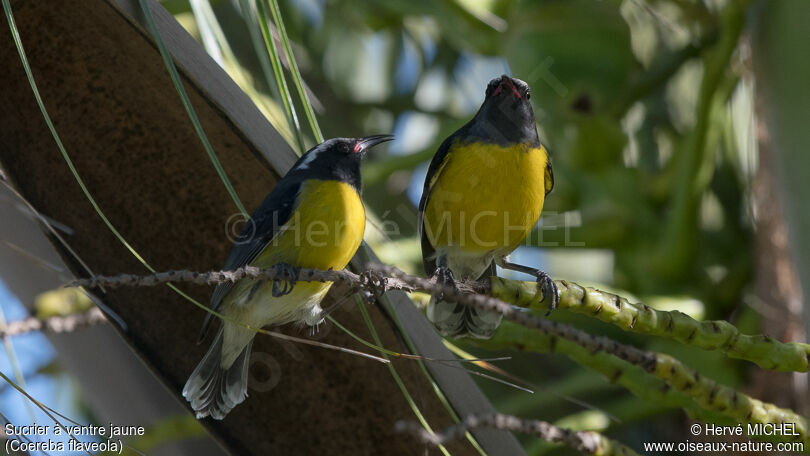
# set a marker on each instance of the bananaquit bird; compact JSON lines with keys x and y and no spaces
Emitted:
{"x":483,"y":194}
{"x":313,"y":218}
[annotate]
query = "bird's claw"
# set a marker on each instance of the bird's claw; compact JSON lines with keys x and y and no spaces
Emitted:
{"x":549,"y":289}
{"x":444,"y":276}
{"x":283,"y":287}
{"x":374,"y":283}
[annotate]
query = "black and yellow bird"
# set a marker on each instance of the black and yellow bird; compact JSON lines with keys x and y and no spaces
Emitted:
{"x":313,"y":218}
{"x":483,"y":194}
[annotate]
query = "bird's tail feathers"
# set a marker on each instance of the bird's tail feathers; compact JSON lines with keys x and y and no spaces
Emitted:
{"x":452,"y":319}
{"x":213,"y":390}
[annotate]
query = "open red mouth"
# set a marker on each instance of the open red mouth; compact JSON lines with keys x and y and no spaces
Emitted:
{"x":506,"y":81}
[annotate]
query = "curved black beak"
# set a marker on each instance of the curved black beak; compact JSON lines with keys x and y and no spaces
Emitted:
{"x":364,"y":144}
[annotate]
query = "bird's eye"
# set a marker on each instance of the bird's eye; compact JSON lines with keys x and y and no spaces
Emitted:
{"x":528,"y":95}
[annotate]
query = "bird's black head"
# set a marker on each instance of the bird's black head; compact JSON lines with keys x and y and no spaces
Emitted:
{"x":337,"y":159}
{"x":506,"y":116}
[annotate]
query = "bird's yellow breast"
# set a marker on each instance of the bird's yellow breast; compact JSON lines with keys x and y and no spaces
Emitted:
{"x":486,"y":197}
{"x":324,"y":231}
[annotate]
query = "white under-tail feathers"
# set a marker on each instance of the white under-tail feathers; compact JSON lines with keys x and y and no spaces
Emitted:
{"x":214,"y":390}
{"x":452,"y":319}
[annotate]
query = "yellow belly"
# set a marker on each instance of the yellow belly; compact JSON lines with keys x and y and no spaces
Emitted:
{"x":486,"y":197}
{"x":323,"y":232}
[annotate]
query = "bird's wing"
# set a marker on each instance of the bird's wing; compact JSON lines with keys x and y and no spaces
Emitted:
{"x":260,"y":230}
{"x":548,"y":176}
{"x":433,"y":172}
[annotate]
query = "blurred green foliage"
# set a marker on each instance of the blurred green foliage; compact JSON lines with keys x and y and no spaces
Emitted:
{"x":646,"y":107}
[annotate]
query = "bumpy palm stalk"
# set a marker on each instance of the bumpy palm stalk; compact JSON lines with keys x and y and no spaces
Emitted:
{"x":704,"y":391}
{"x":586,"y":442}
{"x":633,"y":377}
{"x":640,"y":318}
{"x":563,"y":338}
{"x":671,"y":383}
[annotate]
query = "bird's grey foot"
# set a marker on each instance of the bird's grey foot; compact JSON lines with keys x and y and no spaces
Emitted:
{"x":374,"y":284}
{"x":444,"y":276}
{"x":549,"y":289}
{"x":544,"y":282}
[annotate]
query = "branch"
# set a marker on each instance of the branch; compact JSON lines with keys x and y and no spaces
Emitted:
{"x":358,"y":281}
{"x":719,"y":335}
{"x":638,"y":381}
{"x":677,"y":384}
{"x":706,"y":392}
{"x":59,"y":324}
{"x":587,"y":442}
{"x":594,"y":343}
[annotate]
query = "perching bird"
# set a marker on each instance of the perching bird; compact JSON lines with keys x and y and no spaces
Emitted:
{"x":483,"y":194}
{"x":313,"y":218}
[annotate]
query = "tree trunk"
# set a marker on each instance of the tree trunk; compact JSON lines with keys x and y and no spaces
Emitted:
{"x":781,"y":68}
